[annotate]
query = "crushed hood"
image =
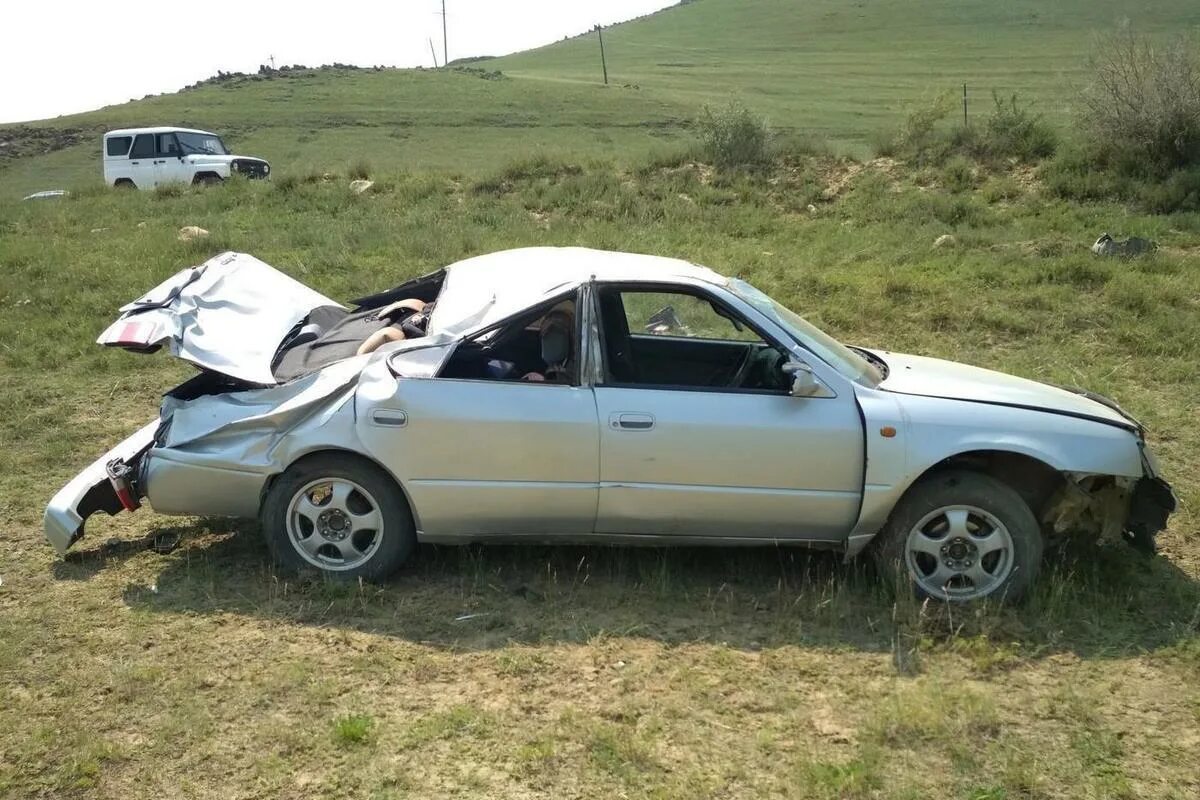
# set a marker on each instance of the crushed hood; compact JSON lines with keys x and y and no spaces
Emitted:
{"x":933,"y":377}
{"x":227,"y":315}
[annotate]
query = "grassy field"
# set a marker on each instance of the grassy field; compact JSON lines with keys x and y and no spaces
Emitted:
{"x":836,"y":70}
{"x":643,"y":673}
{"x":583,"y":672}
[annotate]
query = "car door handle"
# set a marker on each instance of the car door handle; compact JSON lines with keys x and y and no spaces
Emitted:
{"x":389,"y":418}
{"x":627,"y":421}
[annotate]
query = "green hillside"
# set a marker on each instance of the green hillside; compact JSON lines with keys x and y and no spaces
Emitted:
{"x":839,"y":70}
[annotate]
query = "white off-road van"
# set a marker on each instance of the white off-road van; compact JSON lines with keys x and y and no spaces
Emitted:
{"x":149,"y":157}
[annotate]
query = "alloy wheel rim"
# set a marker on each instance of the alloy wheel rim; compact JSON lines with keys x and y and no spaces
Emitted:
{"x":959,"y":552}
{"x":334,"y":524}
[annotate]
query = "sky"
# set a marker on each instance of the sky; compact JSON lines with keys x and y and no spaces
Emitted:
{"x":65,"y":56}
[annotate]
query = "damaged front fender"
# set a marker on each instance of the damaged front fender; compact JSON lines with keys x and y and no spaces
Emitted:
{"x":1110,"y":508}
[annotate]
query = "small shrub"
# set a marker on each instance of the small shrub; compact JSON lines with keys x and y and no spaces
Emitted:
{"x":1012,"y":131}
{"x":919,"y":137}
{"x":958,"y":175}
{"x":1000,"y":188}
{"x":733,"y":136}
{"x":360,"y":170}
{"x":1180,"y":191}
{"x":353,"y":728}
{"x":286,"y":184}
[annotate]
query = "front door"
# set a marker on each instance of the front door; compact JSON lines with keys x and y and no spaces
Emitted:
{"x":699,"y":436}
{"x":168,"y":168}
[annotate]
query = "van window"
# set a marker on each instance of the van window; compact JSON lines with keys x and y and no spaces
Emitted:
{"x":143,"y":146}
{"x":167,"y":146}
{"x":117,"y":145}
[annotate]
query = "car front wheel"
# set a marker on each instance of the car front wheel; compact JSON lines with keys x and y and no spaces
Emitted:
{"x":340,"y":515}
{"x":961,"y":536}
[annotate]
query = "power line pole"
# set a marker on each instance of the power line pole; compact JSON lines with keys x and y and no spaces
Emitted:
{"x":272,"y":62}
{"x":445,"y":47}
{"x":432,"y":52}
{"x":603,"y":62}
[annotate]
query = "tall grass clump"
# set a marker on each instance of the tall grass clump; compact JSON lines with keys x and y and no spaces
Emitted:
{"x":360,"y":170}
{"x":733,"y":136}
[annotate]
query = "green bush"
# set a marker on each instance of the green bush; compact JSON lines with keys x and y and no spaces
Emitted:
{"x":1000,"y":188}
{"x":733,"y":136}
{"x":1012,"y":131}
{"x":360,"y":170}
{"x":958,"y":175}
{"x":1179,"y":192}
{"x":919,"y":138}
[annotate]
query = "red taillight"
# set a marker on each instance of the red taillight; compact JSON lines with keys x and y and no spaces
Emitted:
{"x":119,"y":475}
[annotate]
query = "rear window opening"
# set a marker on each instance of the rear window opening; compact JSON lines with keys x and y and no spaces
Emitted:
{"x":330,"y":334}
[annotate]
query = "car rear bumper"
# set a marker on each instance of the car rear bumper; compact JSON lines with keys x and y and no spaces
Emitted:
{"x":91,"y":491}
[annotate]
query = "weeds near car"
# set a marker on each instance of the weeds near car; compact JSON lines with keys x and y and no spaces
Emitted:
{"x":353,"y":728}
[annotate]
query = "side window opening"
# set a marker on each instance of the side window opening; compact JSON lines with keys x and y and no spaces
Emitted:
{"x":117,"y":145}
{"x":143,"y":146}
{"x":167,"y":145}
{"x":666,"y":339}
{"x":539,"y":346}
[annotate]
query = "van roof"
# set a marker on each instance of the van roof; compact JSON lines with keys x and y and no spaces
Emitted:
{"x":159,"y":129}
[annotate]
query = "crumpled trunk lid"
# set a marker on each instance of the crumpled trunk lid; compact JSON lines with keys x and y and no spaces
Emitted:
{"x":227,"y":315}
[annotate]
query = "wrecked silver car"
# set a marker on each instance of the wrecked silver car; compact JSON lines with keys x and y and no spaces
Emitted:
{"x":565,"y":394}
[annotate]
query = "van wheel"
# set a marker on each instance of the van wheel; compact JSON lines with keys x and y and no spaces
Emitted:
{"x":206,"y":179}
{"x":341,"y":515}
{"x":961,"y":536}
{"x":124,"y":183}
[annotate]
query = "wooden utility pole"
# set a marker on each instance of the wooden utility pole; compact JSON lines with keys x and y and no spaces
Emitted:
{"x":964,"y":105}
{"x":445,"y":47}
{"x":432,"y":52}
{"x":603,"y":62}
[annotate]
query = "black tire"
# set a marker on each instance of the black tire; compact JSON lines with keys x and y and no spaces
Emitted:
{"x":206,"y":179}
{"x":397,"y":538}
{"x":892,"y":550}
{"x":124,"y":183}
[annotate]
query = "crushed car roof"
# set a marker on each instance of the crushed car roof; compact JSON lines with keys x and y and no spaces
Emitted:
{"x":485,"y":289}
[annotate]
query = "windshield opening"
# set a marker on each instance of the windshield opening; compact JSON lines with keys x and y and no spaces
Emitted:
{"x":201,"y":144}
{"x":845,"y":360}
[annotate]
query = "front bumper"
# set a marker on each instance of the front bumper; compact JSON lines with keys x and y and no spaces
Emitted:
{"x":1150,"y":505}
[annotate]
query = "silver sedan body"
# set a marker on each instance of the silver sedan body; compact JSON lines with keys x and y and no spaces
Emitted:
{"x":820,"y":456}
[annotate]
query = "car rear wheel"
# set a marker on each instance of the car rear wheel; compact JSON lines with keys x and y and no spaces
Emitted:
{"x":962,"y":536}
{"x":340,"y":515}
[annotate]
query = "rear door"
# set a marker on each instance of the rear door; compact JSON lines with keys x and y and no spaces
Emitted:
{"x":697,"y":441}
{"x":485,"y":450}
{"x":141,"y":161}
{"x":116,"y":158}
